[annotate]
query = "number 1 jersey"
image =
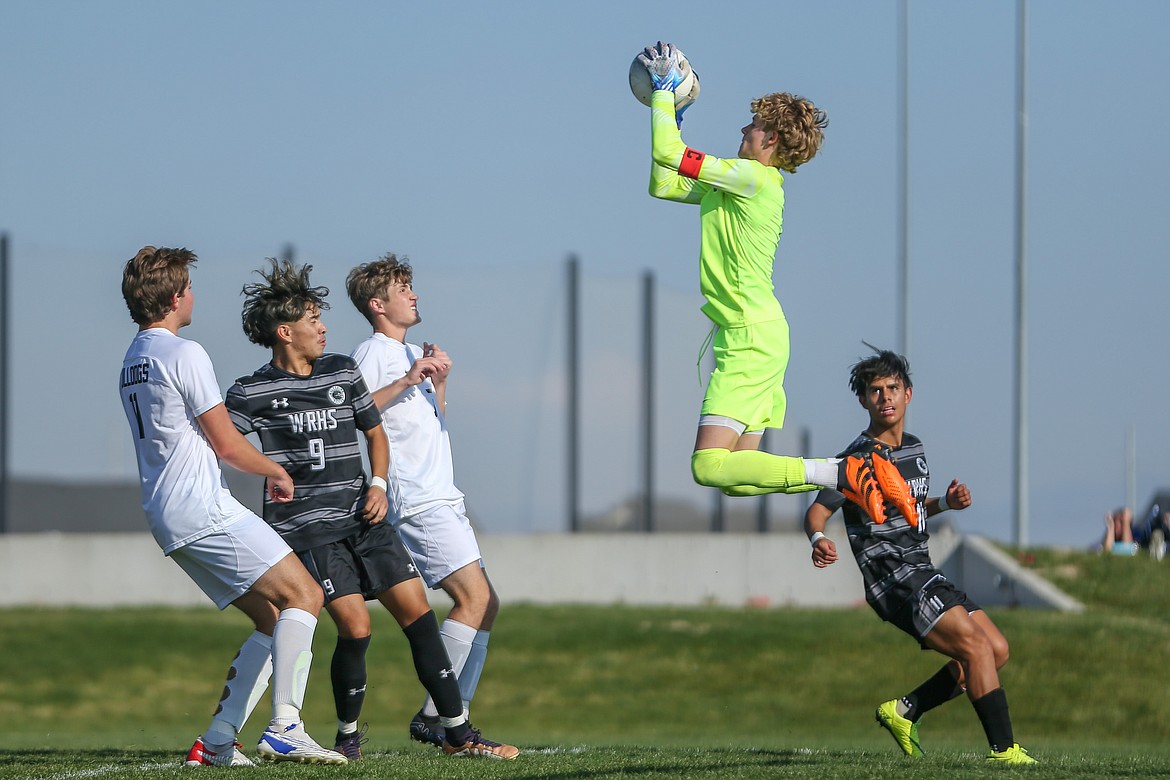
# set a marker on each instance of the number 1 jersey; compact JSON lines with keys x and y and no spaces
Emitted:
{"x":166,"y":383}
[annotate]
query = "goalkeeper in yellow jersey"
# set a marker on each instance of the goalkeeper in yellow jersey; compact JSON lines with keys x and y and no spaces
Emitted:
{"x":741,"y":206}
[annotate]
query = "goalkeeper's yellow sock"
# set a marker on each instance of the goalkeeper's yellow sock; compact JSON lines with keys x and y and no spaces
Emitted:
{"x":749,"y":472}
{"x":752,"y":490}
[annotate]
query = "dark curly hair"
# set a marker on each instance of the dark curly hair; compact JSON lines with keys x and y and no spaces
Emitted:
{"x":284,"y":296}
{"x":882,"y":363}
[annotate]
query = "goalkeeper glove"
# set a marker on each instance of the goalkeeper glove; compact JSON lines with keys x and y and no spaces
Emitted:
{"x":665,"y":64}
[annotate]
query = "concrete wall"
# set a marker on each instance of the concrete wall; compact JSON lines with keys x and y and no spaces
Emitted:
{"x":990,"y":577}
{"x":675,"y":569}
{"x":762,"y":570}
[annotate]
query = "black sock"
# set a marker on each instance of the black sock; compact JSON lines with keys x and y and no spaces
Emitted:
{"x":433,"y":667}
{"x":938,"y":690}
{"x":992,"y":710}
{"x":348,"y":674}
{"x":457,"y":735}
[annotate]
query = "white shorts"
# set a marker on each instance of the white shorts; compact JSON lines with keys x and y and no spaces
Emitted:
{"x":440,"y":540}
{"x":226,"y":564}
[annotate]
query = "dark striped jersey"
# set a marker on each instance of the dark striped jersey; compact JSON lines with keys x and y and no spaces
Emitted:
{"x":310,"y":426}
{"x":893,"y":557}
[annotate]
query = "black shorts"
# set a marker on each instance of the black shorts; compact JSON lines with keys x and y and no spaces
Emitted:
{"x":371,"y":561}
{"x":919,"y":613}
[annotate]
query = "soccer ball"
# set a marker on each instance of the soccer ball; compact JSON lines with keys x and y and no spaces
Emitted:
{"x":641,"y":86}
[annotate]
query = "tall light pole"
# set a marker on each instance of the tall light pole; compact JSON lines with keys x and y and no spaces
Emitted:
{"x":573,"y":402}
{"x":648,"y":520}
{"x":1131,"y":469}
{"x":903,"y":231}
{"x":1021,"y":312}
{"x":5,"y":358}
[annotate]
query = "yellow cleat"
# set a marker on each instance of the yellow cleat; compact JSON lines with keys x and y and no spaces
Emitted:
{"x":903,"y":730}
{"x":1014,"y":755}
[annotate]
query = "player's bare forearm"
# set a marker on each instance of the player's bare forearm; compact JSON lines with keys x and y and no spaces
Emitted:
{"x":387,"y":394}
{"x":815,"y":518}
{"x":824,"y":550}
{"x":233,"y":448}
{"x":384,"y":396}
{"x":378,"y":447}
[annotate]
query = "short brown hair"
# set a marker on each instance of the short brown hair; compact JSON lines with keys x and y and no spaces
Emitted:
{"x":370,"y":280}
{"x":800,"y":125}
{"x":151,"y":278}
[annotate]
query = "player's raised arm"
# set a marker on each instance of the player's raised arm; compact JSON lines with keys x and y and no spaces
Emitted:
{"x":685,"y":174}
{"x":675,"y":166}
{"x":663,"y":71}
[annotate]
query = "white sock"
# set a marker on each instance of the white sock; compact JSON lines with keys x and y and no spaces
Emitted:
{"x":246,"y":682}
{"x":821,"y":471}
{"x":473,"y":668}
{"x":458,"y":720}
{"x":457,"y":639}
{"x":292,"y":654}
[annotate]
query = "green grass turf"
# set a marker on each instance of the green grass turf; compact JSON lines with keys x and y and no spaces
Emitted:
{"x":622,"y":691}
{"x":603,"y":762}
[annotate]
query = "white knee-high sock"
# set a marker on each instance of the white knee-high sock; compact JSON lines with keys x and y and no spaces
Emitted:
{"x":246,"y":682}
{"x":457,"y":639}
{"x":473,"y":667}
{"x":292,"y":654}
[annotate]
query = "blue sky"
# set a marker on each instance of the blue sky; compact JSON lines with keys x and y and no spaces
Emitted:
{"x":488,"y":141}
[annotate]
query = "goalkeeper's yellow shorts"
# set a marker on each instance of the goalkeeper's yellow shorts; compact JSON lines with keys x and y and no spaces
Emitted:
{"x":748,"y":381}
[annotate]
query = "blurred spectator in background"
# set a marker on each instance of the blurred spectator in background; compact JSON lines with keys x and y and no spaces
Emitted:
{"x":1119,"y":532}
{"x":1151,"y":532}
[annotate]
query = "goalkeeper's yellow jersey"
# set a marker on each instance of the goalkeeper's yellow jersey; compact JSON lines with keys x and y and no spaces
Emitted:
{"x":741,"y":207}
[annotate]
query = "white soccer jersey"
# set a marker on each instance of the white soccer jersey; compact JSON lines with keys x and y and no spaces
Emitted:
{"x":166,"y":383}
{"x":421,"y":471}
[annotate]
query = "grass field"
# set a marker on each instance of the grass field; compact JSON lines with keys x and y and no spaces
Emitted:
{"x":593,"y":692}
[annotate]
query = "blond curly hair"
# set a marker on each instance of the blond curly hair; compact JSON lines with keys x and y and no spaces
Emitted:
{"x":799,"y":124}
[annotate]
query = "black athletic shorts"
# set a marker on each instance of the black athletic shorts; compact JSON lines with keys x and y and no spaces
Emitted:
{"x":919,"y":613}
{"x":369,"y":562}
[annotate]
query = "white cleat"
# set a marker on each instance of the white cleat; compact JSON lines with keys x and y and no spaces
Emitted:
{"x":293,"y":743}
